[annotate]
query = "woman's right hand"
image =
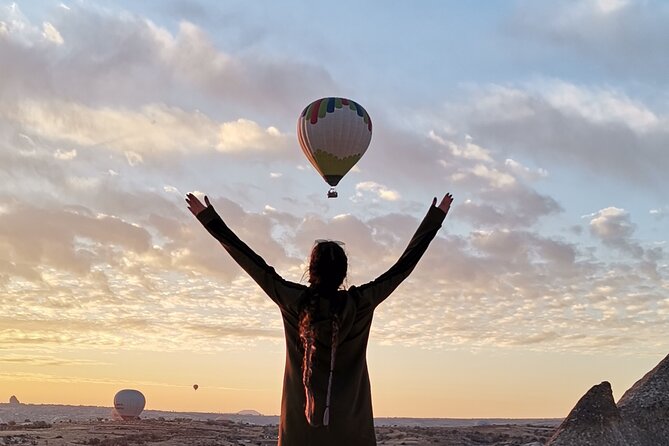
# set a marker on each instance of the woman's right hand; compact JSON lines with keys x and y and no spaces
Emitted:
{"x":195,"y":205}
{"x":445,"y":204}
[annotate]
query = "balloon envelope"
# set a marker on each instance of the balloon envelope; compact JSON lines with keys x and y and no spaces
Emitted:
{"x":334,"y":133}
{"x":129,"y":403}
{"x":195,"y":386}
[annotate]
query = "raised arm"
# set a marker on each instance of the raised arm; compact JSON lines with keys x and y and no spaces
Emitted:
{"x":380,"y":288}
{"x":281,"y":291}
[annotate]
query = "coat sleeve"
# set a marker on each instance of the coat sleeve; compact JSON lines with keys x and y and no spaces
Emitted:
{"x":380,"y":288}
{"x":282,"y":292}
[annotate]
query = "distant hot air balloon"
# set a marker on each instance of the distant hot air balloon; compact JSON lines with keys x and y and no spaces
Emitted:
{"x":129,"y":403}
{"x":195,"y":386}
{"x":334,"y":133}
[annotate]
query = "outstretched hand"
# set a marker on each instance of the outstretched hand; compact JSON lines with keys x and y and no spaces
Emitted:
{"x":445,"y":204}
{"x":195,"y":205}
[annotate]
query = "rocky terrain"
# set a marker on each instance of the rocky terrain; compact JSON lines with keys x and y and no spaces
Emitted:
{"x":641,"y":417}
{"x":228,"y":433}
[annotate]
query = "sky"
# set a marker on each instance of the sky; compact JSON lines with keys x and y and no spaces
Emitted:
{"x":547,"y":121}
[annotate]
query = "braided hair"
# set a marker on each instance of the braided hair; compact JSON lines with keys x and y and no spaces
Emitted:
{"x":327,"y":270}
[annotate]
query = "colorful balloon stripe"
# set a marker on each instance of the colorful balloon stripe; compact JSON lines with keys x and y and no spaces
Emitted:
{"x":314,"y":111}
{"x":321,"y":107}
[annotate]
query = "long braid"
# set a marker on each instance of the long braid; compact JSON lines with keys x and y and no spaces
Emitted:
{"x":308,"y":338}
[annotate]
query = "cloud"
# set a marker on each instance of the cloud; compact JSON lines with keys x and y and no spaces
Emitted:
{"x":659,"y":213}
{"x":493,"y":286}
{"x":63,"y":238}
{"x":614,"y":227}
{"x":612,"y":224}
{"x":381,"y":191}
{"x":65,"y":155}
{"x":555,"y":122}
{"x":135,"y":62}
{"x":51,"y":34}
{"x":244,"y":135}
{"x":623,"y":38}
{"x":41,"y":360}
{"x":154,"y":129}
{"x":98,"y":135}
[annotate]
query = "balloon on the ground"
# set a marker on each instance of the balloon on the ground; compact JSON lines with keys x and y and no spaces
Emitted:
{"x":195,"y":386}
{"x":129,"y":403}
{"x":334,"y":133}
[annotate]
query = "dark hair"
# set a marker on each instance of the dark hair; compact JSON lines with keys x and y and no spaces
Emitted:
{"x":327,"y":270}
{"x":328,"y":265}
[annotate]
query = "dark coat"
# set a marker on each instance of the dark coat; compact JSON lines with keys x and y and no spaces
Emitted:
{"x":351,"y":418}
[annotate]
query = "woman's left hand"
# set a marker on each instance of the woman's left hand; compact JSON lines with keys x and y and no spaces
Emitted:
{"x":195,"y":205}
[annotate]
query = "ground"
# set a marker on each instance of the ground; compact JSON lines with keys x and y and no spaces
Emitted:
{"x":227,"y":433}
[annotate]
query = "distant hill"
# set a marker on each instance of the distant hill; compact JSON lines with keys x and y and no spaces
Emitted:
{"x":54,"y":413}
{"x":251,"y":412}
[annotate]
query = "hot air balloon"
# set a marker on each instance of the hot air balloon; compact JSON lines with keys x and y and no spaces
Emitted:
{"x":128,"y":404}
{"x":195,"y":386}
{"x":334,"y":133}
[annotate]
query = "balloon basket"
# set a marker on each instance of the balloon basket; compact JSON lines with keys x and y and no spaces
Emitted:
{"x":332,"y":193}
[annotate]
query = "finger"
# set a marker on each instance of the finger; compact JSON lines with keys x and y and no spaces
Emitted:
{"x":206,"y":200}
{"x":434,"y":201}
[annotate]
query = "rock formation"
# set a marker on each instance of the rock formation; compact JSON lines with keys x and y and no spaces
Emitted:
{"x":641,"y":417}
{"x":645,"y":408}
{"x":594,"y":421}
{"x":14,"y":400}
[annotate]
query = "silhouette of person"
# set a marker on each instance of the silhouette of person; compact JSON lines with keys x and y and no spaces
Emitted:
{"x":326,"y":397}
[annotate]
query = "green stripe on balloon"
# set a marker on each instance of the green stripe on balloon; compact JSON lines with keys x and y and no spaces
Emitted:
{"x":322,"y":111}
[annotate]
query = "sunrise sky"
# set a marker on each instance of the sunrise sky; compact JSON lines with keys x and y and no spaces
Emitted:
{"x":547,"y":120}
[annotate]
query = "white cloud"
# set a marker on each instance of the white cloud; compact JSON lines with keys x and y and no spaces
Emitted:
{"x":51,"y":34}
{"x":601,"y":106}
{"x":83,"y":183}
{"x":611,"y":224}
{"x":496,"y":178}
{"x":597,"y":129}
{"x":133,"y":158}
{"x":187,"y":62}
{"x":65,"y":155}
{"x":243,"y":135}
{"x":151,"y":130}
{"x":659,"y":213}
{"x":381,"y":191}
{"x":614,"y":227}
{"x":468,"y":150}
{"x":525,"y":172}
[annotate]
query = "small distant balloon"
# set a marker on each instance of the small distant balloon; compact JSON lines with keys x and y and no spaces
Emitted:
{"x":195,"y":386}
{"x":334,"y":133}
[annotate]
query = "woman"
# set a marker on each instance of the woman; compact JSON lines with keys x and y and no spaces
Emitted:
{"x":326,"y":393}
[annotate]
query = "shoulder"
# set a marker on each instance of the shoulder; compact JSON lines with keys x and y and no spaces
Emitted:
{"x":355,"y":296}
